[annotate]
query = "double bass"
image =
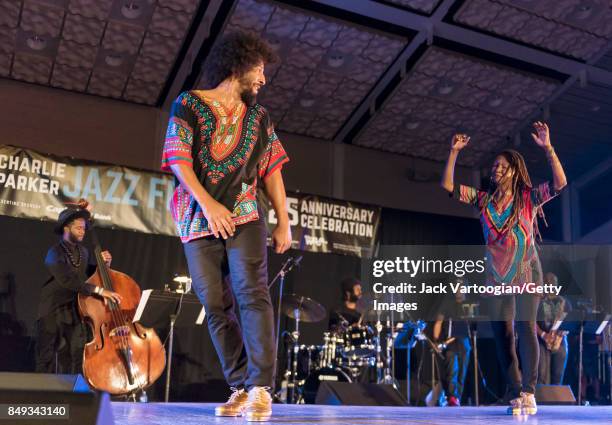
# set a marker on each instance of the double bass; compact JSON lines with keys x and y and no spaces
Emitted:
{"x":123,"y":356}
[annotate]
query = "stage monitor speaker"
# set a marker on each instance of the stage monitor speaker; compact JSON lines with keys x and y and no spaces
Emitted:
{"x":355,"y":394}
{"x":84,"y":406}
{"x":555,"y":394}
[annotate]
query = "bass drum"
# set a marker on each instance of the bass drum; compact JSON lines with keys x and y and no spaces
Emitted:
{"x":333,"y":374}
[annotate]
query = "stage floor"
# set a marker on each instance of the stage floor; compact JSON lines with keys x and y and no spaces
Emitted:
{"x":203,"y":413}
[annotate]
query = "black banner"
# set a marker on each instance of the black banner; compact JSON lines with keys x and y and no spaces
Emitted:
{"x":321,"y":224}
{"x":33,"y":185}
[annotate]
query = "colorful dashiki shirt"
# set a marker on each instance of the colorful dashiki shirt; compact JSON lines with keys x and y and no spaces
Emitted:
{"x":512,"y":256}
{"x":229,"y":152}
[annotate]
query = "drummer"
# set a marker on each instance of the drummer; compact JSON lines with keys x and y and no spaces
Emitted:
{"x":346,"y":314}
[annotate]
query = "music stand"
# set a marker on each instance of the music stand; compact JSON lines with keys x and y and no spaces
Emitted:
{"x":407,"y":338}
{"x":158,"y":308}
{"x":592,"y":323}
{"x":474,"y":323}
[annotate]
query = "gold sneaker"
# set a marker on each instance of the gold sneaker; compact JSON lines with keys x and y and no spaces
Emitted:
{"x":235,"y":405}
{"x":516,"y":406}
{"x":259,"y":405}
{"x":529,"y":404}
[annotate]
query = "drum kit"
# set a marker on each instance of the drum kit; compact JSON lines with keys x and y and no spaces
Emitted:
{"x":349,"y":352}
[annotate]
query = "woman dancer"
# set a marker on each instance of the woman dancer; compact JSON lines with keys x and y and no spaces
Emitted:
{"x":508,"y":214}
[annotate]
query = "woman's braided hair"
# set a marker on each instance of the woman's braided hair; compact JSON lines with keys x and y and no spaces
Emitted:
{"x":521,"y":182}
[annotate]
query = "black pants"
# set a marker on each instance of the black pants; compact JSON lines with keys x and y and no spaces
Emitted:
{"x":247,"y":355}
{"x":61,"y":337}
{"x":524,"y":307}
{"x":455,"y":363}
{"x":552,"y":365}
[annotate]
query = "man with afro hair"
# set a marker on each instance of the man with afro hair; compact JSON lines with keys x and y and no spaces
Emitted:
{"x":221,"y":145}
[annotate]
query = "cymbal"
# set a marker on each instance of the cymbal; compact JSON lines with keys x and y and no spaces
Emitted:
{"x":309,"y":309}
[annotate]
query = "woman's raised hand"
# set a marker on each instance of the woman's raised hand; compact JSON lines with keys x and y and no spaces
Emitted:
{"x":542,"y":134}
{"x":459,"y":141}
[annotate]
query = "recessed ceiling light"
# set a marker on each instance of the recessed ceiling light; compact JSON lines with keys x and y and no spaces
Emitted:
{"x":413,"y":125}
{"x":445,"y":89}
{"x":113,"y":60}
{"x":36,"y":43}
{"x":131,"y":10}
{"x":595,"y":108}
{"x":335,"y":60}
{"x":307,"y":102}
{"x":583,"y":11}
{"x":496,"y":101}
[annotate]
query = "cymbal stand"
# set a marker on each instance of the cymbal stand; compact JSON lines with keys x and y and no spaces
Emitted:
{"x":389,"y":377}
{"x":380,"y":374}
{"x":292,"y":382}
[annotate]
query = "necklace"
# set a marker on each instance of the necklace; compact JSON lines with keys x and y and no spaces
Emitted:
{"x":75,"y":263}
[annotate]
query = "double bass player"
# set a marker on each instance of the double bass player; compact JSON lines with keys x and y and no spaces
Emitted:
{"x":61,"y":335}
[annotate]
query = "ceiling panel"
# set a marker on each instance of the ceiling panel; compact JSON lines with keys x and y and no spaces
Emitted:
{"x":576,"y":28}
{"x":605,"y":62}
{"x":331,"y":66}
{"x":121,"y":49}
{"x":426,"y":6}
{"x":327,"y":66}
{"x":446,"y":92}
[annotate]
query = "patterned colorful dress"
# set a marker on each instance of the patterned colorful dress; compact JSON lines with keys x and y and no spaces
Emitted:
{"x":511,"y":254}
{"x":230,"y":151}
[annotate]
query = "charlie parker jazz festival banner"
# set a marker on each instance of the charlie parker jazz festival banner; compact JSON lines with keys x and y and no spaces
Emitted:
{"x":37,"y":186}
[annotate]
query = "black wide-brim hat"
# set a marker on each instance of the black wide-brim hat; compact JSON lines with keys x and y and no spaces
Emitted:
{"x":69,"y":214}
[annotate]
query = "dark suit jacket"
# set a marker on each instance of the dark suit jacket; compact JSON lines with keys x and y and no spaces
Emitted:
{"x":65,"y":282}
